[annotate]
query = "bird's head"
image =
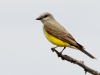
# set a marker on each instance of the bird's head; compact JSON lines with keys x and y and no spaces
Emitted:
{"x":45,"y":17}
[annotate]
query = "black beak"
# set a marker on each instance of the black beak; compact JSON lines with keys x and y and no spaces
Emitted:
{"x":38,"y":18}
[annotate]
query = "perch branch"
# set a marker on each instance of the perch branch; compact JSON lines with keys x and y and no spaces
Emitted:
{"x":74,"y":61}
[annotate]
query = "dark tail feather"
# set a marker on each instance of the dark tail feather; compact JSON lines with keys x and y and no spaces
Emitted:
{"x":88,"y":54}
{"x":84,"y":51}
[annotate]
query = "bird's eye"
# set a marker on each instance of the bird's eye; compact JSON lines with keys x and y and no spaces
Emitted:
{"x":45,"y":15}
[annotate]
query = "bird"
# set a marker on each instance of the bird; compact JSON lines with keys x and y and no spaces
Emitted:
{"x":58,"y":35}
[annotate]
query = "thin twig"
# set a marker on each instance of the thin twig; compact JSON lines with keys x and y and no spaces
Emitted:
{"x":74,"y":61}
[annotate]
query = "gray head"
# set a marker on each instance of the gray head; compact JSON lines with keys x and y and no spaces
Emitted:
{"x":45,"y":17}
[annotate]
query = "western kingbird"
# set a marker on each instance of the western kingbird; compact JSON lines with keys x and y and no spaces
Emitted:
{"x":58,"y":35}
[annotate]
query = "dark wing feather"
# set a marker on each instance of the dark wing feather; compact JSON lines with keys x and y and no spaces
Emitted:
{"x":59,"y":32}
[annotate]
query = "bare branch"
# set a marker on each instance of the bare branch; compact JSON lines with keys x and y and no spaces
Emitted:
{"x":74,"y":61}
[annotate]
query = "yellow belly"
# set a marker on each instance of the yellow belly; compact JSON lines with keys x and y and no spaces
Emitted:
{"x":55,"y":41}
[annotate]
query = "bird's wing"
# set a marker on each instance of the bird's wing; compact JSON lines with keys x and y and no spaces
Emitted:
{"x":56,"y":30}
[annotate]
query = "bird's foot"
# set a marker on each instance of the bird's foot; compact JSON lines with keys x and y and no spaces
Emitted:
{"x":62,"y":50}
{"x":60,"y":53}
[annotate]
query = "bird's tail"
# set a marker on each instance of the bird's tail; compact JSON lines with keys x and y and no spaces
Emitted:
{"x":84,"y":51}
{"x":88,"y":54}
